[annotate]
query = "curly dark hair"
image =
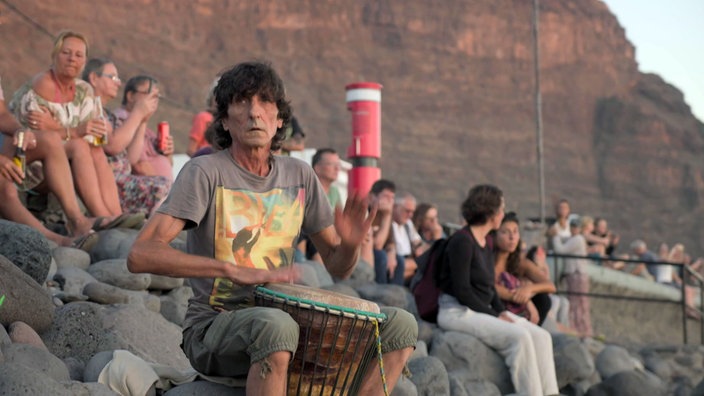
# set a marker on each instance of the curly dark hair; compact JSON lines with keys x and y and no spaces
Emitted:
{"x":482,"y":202}
{"x":244,"y":81}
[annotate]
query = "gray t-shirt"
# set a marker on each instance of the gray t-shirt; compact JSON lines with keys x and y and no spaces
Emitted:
{"x":235,"y":216}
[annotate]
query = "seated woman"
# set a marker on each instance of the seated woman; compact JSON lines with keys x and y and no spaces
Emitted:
{"x":151,"y":162}
{"x":138,"y":194}
{"x":57,"y":179}
{"x":521,"y":285}
{"x":56,"y":101}
{"x":470,"y":304}
{"x":608,"y":238}
{"x":425,"y":220}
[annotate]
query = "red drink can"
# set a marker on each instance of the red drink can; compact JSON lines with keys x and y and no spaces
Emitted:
{"x":162,"y":136}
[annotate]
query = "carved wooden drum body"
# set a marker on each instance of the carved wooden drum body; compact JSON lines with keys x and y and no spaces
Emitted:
{"x":338,"y":337}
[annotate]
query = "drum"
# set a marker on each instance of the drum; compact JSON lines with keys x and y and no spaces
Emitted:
{"x":338,"y":337}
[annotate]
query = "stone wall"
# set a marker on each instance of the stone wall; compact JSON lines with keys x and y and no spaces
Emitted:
{"x":635,"y":322}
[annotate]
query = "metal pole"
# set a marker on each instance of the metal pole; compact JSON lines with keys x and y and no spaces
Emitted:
{"x":538,"y":111}
{"x":684,"y":306}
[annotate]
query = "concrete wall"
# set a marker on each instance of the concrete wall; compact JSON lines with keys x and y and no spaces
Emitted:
{"x":637,"y":322}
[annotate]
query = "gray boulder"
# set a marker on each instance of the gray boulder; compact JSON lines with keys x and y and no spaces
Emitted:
{"x":469,"y":359}
{"x":25,"y":299}
{"x":83,"y":329}
{"x":404,"y":387}
{"x":469,"y":388}
{"x":95,"y":365}
{"x":629,"y":383}
{"x":52,"y":271}
{"x":90,"y":389}
{"x":429,"y":376}
{"x":658,"y":366}
{"x":420,"y":351}
{"x":426,"y":330}
{"x":114,"y":243}
{"x":16,"y":379}
{"x":69,"y":257}
{"x":175,"y":304}
{"x":389,"y":295}
{"x":4,"y":337}
{"x":699,"y":389}
{"x":573,"y":362}
{"x":108,"y":294}
{"x":26,"y":248}
{"x":198,"y":388}
{"x":38,"y":359}
{"x":614,"y":359}
{"x":160,"y":282}
{"x":114,"y":272}
{"x":75,"y":367}
{"x":457,"y":388}
{"x":72,"y":280}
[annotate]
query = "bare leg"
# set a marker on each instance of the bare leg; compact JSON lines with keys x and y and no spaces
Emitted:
{"x":264,"y":382}
{"x":394,"y":362}
{"x":106,"y":181}
{"x":85,"y":177}
{"x":13,"y":210}
{"x":58,"y":179}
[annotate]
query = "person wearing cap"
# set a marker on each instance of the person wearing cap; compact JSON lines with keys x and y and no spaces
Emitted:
{"x":575,"y":273}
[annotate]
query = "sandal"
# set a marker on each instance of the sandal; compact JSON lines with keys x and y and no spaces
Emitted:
{"x":85,"y":242}
{"x":125,"y":220}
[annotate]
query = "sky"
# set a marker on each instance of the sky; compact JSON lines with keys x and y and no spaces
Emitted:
{"x":669,"y":41}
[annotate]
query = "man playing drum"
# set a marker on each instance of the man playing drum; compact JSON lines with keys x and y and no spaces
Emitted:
{"x":244,"y":208}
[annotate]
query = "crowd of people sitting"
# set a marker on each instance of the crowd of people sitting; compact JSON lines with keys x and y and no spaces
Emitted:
{"x":511,"y":284}
{"x":74,"y":141}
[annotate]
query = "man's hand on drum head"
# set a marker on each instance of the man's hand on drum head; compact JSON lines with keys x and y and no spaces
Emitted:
{"x":256,"y":276}
{"x":353,"y":222}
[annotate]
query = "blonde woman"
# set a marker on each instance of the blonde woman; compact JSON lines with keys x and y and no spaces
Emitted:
{"x":57,"y":101}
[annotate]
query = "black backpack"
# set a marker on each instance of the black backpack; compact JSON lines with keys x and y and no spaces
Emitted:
{"x":424,"y":285}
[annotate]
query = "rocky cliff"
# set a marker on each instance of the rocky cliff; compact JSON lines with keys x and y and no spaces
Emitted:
{"x":457,"y":98}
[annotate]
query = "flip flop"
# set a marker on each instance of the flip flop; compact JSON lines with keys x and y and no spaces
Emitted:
{"x":85,"y":242}
{"x":125,"y":220}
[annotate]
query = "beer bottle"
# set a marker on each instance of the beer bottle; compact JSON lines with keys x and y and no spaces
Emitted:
{"x":98,"y":114}
{"x":20,"y":158}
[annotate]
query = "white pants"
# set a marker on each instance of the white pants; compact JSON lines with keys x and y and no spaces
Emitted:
{"x":526,"y":348}
{"x":560,"y":309}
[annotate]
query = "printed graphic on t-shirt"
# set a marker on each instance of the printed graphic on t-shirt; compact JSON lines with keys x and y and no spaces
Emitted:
{"x":257,"y":230}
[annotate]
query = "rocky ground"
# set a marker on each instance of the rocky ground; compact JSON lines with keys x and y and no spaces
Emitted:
{"x":68,"y":315}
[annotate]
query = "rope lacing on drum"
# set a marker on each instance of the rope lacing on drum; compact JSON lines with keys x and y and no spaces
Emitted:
{"x":381,"y":359}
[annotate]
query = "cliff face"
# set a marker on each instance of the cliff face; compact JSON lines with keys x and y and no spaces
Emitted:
{"x":457,"y":103}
